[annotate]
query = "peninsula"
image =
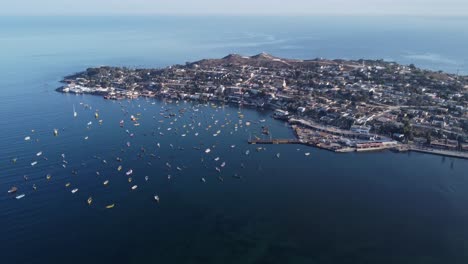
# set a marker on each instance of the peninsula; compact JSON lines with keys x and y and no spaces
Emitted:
{"x":340,"y":105}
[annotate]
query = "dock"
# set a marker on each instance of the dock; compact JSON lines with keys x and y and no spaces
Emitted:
{"x":274,"y":141}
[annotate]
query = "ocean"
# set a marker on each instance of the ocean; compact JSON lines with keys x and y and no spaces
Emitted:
{"x":322,"y":208}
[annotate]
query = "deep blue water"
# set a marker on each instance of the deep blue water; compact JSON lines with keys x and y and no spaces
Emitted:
{"x":324,"y":208}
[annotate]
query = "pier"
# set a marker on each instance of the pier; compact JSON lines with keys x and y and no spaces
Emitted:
{"x":274,"y":141}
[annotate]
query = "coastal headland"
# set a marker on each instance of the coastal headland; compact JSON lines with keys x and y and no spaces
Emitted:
{"x":338,"y":105}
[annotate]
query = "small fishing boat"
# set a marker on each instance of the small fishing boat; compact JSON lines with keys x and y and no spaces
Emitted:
{"x":156,"y":198}
{"x":203,"y":179}
{"x":134,"y":187}
{"x":207,"y":150}
{"x":75,"y":114}
{"x":13,"y":189}
{"x":146,"y":178}
{"x":48,"y":176}
{"x":119,"y":168}
{"x":90,"y":200}
{"x":67,"y":184}
{"x":110,"y":206}
{"x":27,"y":138}
{"x":277,"y":155}
{"x":55,"y":132}
{"x":129,"y":172}
{"x":74,"y":190}
{"x":247,"y":152}
{"x":307,"y":153}
{"x":20,"y":196}
{"x":216,"y":159}
{"x":106,"y":182}
{"x":33,"y":163}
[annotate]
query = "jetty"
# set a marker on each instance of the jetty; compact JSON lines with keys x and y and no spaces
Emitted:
{"x":274,"y":141}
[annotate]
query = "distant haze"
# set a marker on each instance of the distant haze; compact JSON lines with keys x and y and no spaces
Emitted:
{"x":236,"y":7}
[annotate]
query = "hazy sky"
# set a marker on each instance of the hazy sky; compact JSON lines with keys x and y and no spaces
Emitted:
{"x":235,"y":7}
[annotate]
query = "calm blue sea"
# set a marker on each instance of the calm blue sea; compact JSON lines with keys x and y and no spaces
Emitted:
{"x":322,"y":208}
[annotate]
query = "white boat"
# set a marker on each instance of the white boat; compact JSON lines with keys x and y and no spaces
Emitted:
{"x":277,"y":155}
{"x":20,"y":196}
{"x":216,"y":159}
{"x":247,"y":152}
{"x":90,"y":123}
{"x":129,"y":172}
{"x":307,"y":154}
{"x":146,"y":178}
{"x":74,"y":190}
{"x":75,"y":114}
{"x":33,"y":163}
{"x":156,"y":198}
{"x":203,"y":180}
{"x":159,"y":145}
{"x":207,"y":150}
{"x":134,"y":187}
{"x":223,"y":164}
{"x":55,"y":132}
{"x":106,"y":182}
{"x":27,"y":138}
{"x":39,"y":153}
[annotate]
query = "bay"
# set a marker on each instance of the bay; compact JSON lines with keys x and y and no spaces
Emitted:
{"x":323,"y":208}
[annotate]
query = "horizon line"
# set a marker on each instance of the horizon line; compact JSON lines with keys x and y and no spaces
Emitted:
{"x":144,"y":14}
